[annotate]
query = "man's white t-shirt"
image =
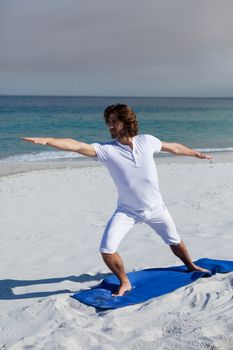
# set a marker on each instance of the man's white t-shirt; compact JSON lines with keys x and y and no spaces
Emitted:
{"x":133,"y":170}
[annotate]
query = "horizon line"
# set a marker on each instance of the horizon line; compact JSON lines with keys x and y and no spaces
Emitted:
{"x":114,"y":96}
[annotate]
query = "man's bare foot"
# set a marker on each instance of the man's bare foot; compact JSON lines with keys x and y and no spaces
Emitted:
{"x":124,"y":287}
{"x":198,"y":268}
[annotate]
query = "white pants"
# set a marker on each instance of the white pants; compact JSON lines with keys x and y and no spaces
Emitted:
{"x":159,"y":219}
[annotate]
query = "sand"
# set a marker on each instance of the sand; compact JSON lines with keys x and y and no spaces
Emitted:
{"x":52,"y":218}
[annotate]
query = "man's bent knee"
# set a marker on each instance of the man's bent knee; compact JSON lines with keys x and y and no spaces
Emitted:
{"x":174,"y":243}
{"x":106,"y":251}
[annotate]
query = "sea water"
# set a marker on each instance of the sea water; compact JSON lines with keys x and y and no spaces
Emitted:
{"x":201,"y":123}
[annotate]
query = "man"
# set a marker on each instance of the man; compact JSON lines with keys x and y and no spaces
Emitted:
{"x":129,"y":160}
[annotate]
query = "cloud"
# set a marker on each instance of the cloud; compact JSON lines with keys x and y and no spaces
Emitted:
{"x":163,"y":46}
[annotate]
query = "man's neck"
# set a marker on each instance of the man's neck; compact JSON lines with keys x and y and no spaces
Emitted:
{"x":125,"y":140}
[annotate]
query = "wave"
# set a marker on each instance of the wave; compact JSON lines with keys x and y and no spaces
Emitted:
{"x":207,"y":150}
{"x":59,"y":155}
{"x":42,"y":156}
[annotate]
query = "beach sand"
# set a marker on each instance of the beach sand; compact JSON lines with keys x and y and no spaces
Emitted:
{"x":52,"y":219}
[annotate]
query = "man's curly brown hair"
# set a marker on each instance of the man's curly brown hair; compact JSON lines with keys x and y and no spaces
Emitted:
{"x":126,"y":115}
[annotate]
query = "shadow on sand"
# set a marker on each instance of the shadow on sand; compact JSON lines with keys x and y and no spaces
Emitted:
{"x":7,"y":286}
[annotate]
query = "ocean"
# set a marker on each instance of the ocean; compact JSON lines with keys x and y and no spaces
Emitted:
{"x":201,"y":123}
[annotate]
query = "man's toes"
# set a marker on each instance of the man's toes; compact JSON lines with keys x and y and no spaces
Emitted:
{"x":121,"y":291}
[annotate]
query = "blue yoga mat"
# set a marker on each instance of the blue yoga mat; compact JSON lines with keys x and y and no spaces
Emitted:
{"x":147,"y":284}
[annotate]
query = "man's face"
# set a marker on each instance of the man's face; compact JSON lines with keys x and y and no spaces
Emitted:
{"x":116,"y":126}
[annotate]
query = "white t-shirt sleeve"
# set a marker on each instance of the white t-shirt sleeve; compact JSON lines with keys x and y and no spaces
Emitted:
{"x":154,"y":143}
{"x":101,"y":152}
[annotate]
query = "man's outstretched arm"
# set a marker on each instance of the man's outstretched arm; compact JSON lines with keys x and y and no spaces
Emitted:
{"x":64,"y":144}
{"x":177,"y":148}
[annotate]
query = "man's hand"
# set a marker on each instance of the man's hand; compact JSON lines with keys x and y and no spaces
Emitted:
{"x":203,"y":156}
{"x":40,"y":140}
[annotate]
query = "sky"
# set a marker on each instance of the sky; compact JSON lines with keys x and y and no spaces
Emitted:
{"x":164,"y":48}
